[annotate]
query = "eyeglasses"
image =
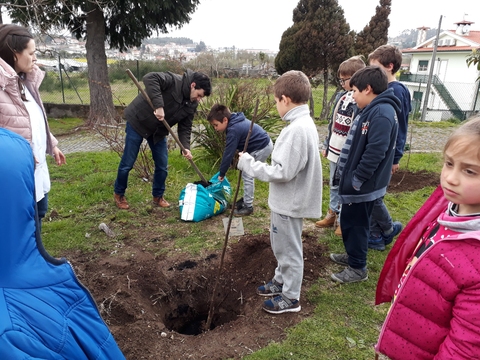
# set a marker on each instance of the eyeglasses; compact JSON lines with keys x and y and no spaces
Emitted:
{"x":342,"y":81}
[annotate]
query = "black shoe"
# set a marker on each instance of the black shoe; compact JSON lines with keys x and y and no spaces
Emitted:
{"x":239,"y":204}
{"x":243,"y":211}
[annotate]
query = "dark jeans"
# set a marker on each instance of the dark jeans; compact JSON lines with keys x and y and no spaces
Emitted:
{"x":381,"y":221}
{"x":133,"y":141}
{"x":355,"y":225}
{"x":42,"y":207}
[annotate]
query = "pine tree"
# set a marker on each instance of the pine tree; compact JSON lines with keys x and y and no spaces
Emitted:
{"x":375,"y":33}
{"x":120,"y":23}
{"x":288,"y":57}
{"x":323,"y":41}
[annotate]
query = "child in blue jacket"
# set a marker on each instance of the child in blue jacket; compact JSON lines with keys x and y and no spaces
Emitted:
{"x":236,"y":127}
{"x":45,"y":312}
{"x":364,"y":167}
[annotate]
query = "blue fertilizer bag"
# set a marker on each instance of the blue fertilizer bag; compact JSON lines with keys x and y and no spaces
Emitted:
{"x":198,"y":203}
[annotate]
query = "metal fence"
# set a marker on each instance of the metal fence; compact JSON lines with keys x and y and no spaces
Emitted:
{"x":67,"y":84}
{"x":446,"y":100}
{"x":71,"y":87}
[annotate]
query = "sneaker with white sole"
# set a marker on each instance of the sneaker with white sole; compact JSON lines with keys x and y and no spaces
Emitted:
{"x":350,"y":275}
{"x":281,"y":304}
{"x":340,"y":259}
{"x":272,"y":288}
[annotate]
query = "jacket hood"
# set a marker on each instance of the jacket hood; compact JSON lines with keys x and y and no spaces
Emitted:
{"x":6,"y":69}
{"x":24,"y":262}
{"x":236,"y":118}
{"x":387,"y":96}
{"x":186,"y":82}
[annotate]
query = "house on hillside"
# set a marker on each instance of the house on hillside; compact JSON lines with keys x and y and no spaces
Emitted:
{"x":454,"y":90}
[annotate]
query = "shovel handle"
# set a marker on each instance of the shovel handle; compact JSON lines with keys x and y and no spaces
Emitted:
{"x":175,"y":137}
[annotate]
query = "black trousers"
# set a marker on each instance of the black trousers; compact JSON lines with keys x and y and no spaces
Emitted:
{"x":355,"y":225}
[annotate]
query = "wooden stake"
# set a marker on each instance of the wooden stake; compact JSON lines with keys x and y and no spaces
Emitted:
{"x":212,"y":308}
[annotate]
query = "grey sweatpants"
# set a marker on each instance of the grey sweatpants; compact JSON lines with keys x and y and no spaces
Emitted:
{"x":286,"y":241}
{"x":248,"y":181}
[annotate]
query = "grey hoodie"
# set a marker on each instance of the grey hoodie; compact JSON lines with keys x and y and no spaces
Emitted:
{"x":295,"y":173}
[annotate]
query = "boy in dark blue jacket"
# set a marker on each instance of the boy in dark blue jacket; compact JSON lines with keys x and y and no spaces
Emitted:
{"x":364,"y":167}
{"x":382,"y":228}
{"x":260,"y":146}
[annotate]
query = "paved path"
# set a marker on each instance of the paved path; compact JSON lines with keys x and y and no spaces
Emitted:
{"x":422,"y":139}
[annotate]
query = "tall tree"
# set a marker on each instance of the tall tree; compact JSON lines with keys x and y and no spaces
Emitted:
{"x":323,"y":40}
{"x":287,"y":57}
{"x":120,"y":23}
{"x":375,"y":33}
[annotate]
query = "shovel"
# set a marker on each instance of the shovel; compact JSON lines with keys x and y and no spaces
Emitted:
{"x":204,"y":182}
{"x":227,"y":233}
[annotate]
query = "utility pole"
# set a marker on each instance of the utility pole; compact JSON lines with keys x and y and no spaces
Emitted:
{"x":430,"y":75}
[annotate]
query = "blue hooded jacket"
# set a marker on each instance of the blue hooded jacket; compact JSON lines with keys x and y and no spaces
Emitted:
{"x":236,"y":135}
{"x":45,"y":313}
{"x":370,"y":159}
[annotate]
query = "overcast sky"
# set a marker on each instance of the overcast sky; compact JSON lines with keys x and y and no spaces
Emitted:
{"x":259,"y":24}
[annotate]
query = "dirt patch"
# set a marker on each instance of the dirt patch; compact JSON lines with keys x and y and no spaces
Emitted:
{"x":403,"y":181}
{"x":158,"y":306}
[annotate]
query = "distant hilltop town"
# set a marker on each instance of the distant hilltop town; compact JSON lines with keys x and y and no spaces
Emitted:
{"x":151,"y":49}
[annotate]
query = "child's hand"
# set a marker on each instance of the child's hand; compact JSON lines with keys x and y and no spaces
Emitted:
{"x":220,"y":178}
{"x":324,"y":153}
{"x":240,"y":154}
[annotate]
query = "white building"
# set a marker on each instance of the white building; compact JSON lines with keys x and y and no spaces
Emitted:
{"x":454,"y":90}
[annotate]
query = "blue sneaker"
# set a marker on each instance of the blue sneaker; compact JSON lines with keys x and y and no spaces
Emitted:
{"x":272,"y":288}
{"x":379,"y":242}
{"x":281,"y":304}
{"x":397,"y":228}
{"x":376,"y":242}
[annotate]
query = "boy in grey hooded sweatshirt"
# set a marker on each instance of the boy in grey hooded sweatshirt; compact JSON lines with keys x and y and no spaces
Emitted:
{"x":295,"y":177}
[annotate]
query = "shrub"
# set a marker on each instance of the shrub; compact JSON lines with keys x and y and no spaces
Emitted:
{"x":240,"y":95}
{"x":117,"y":70}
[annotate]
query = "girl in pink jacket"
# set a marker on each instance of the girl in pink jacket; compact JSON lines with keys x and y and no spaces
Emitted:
{"x":21,"y":109}
{"x":432,"y":274}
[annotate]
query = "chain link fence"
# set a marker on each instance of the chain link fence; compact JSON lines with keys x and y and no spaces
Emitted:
{"x":69,"y":85}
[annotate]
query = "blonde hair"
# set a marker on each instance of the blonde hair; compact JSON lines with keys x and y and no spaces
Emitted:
{"x":458,"y":137}
{"x":351,"y":66}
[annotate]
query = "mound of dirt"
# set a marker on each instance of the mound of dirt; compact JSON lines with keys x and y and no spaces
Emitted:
{"x":403,"y":181}
{"x":158,"y":307}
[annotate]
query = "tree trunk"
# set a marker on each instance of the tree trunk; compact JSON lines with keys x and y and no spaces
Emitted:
{"x":312,"y":106}
{"x":325,"y":108}
{"x":102,"y":110}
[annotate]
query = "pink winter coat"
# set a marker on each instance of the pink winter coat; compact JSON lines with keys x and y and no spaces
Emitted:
{"x":13,"y":112}
{"x":436,"y":314}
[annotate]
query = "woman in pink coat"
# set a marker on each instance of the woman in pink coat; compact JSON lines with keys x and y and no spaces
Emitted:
{"x":21,"y":109}
{"x":432,"y":274}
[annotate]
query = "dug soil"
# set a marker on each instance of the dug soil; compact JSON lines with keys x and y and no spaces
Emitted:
{"x":157,"y":306}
